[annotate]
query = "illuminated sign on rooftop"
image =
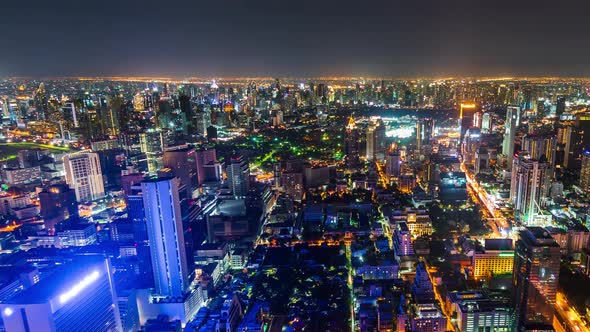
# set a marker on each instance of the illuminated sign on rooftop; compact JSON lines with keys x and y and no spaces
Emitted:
{"x":80,"y":286}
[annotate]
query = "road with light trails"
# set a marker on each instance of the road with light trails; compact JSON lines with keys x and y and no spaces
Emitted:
{"x":480,"y":196}
{"x":564,"y":311}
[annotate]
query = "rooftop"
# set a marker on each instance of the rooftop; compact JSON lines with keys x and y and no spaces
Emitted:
{"x":62,"y":281}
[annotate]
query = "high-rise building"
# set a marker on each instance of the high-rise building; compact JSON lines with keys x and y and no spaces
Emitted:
{"x":466,"y":114}
{"x":510,"y":127}
{"x":79,"y":296}
{"x":470,"y":144}
{"x":58,"y":203}
{"x":205,"y":158}
{"x":559,"y":107}
{"x":585,"y":171}
{"x":535,"y":278}
{"x":152,"y":143}
{"x":540,"y":147}
{"x":482,"y":159}
{"x":393,"y":164}
{"x":477,"y":119}
{"x":202,"y":121}
{"x":351,"y":143}
{"x":183,"y":163}
{"x":165,"y":233}
{"x":424,"y":132}
{"x":41,"y":103}
{"x":486,"y":123}
{"x":277,"y":169}
{"x":135,"y":210}
{"x":83,"y":174}
{"x":528,"y":187}
{"x":238,"y":176}
{"x":577,"y":141}
{"x":376,"y":142}
{"x":370,"y":147}
{"x":380,"y":141}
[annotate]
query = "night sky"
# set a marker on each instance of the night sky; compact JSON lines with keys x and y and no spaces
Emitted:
{"x":434,"y":38}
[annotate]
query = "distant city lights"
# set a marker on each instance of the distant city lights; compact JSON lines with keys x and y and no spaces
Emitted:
{"x":402,"y":132}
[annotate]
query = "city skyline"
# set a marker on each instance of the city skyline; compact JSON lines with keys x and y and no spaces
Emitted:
{"x":268,"y":166}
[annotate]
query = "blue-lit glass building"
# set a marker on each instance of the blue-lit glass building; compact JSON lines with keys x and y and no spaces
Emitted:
{"x":165,"y":233}
{"x":78,"y":296}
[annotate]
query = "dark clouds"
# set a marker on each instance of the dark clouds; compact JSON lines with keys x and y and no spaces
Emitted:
{"x":305,"y":37}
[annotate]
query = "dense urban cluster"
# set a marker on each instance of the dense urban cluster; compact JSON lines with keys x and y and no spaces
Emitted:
{"x":295,"y":204}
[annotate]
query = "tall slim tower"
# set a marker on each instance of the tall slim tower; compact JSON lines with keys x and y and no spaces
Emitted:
{"x":540,"y":147}
{"x":238,"y":175}
{"x":165,"y":233}
{"x":152,"y":143}
{"x":393,"y":164}
{"x":426,"y":130}
{"x":380,"y":141}
{"x":535,"y":278}
{"x":351,"y":144}
{"x":510,"y":132}
{"x":466,"y":113}
{"x":528,"y":187}
{"x":83,"y":174}
{"x":370,"y":150}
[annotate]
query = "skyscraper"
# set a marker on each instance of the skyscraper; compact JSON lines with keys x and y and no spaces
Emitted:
{"x":152,"y":143}
{"x":535,"y":278}
{"x":466,"y":113}
{"x":202,"y":121}
{"x":424,"y":132}
{"x":577,"y":141}
{"x":559,"y":107}
{"x":486,"y":123}
{"x":83,"y":174}
{"x":370,"y":149}
{"x":540,"y":147}
{"x":351,"y":143}
{"x":238,"y":176}
{"x":528,"y":188}
{"x":79,"y":296}
{"x":510,"y":127}
{"x":393,"y":163}
{"x":585,"y":171}
{"x":207,"y":157}
{"x":380,"y":141}
{"x":41,"y":102}
{"x":470,"y":144}
{"x":165,"y":233}
{"x":183,"y":163}
{"x":376,"y":141}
